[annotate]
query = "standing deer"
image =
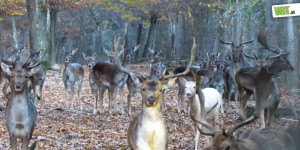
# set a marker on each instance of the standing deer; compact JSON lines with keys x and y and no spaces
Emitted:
{"x":238,"y":60}
{"x":90,"y":60}
{"x":260,"y":79}
{"x":72,"y":75}
{"x":109,"y":76}
{"x":148,"y":129}
{"x":40,"y":76}
{"x":20,"y":111}
{"x":212,"y":104}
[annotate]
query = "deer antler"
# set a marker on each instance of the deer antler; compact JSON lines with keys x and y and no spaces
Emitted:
{"x":249,"y":56}
{"x":193,"y":52}
{"x":234,"y":128}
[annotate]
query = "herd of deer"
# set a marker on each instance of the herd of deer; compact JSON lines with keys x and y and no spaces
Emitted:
{"x":203,"y":85}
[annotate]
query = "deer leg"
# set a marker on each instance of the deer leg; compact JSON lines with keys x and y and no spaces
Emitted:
{"x":79,"y":96}
{"x":131,"y":93}
{"x":25,"y":143}
{"x":122,"y":104}
{"x":13,"y":142}
{"x":270,"y":113}
{"x":197,"y":137}
{"x":95,"y":95}
{"x":41,"y":94}
{"x":66,"y":92}
{"x":101,"y":93}
{"x":34,"y":91}
{"x":243,"y":105}
{"x":72,"y":96}
{"x":111,"y":99}
{"x":262,"y":119}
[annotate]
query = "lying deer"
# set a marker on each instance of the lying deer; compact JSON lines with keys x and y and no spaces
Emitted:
{"x":148,"y":129}
{"x":212,"y":103}
{"x":264,"y":139}
{"x":72,"y":75}
{"x":109,"y":76}
{"x":20,"y":111}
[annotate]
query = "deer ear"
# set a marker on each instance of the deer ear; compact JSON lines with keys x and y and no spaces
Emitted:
{"x":168,"y":83}
{"x":84,"y":55}
{"x":182,"y":80}
{"x":136,"y":48}
{"x":150,"y":50}
{"x":6,"y":68}
{"x":74,"y":51}
{"x":33,"y":70}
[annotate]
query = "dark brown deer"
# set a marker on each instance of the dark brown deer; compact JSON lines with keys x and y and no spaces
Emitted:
{"x":260,"y":79}
{"x":265,"y":139}
{"x":109,"y":76}
{"x":72,"y":75}
{"x":237,"y":53}
{"x":148,"y":129}
{"x":40,"y":76}
{"x":90,"y":60}
{"x":20,"y":110}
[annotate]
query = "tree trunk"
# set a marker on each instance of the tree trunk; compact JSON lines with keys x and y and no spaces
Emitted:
{"x":14,"y":32}
{"x":153,"y":21}
{"x":138,"y":40}
{"x":37,"y":18}
{"x":52,"y":48}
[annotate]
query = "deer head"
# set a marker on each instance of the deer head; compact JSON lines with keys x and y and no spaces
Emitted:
{"x":237,"y":50}
{"x":212,"y":59}
{"x":90,"y":60}
{"x":19,"y":76}
{"x":68,"y":54}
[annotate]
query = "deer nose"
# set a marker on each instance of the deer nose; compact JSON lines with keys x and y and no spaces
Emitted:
{"x":151,"y":100}
{"x":212,"y":64}
{"x":90,"y":66}
{"x":18,"y":87}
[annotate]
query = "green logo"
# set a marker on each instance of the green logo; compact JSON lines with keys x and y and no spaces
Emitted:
{"x":282,"y":10}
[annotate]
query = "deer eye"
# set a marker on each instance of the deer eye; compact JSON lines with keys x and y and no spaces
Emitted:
{"x":26,"y":76}
{"x":143,"y":89}
{"x":12,"y":76}
{"x":194,"y":87}
{"x":160,"y":90}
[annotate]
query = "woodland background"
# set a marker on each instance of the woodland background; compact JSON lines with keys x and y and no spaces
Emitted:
{"x":167,"y":25}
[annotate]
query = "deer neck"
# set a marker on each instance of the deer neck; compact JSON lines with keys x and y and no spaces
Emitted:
{"x":20,"y":96}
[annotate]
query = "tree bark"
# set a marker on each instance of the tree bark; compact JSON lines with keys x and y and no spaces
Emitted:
{"x":52,"y":37}
{"x":138,"y":40}
{"x":14,"y":31}
{"x":37,"y":18}
{"x":153,"y":21}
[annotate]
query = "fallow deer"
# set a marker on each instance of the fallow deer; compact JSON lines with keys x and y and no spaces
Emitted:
{"x":238,"y":60}
{"x":20,"y":110}
{"x":40,"y":76}
{"x":90,"y":60}
{"x":109,"y":76}
{"x":212,"y":104}
{"x":148,"y":129}
{"x":72,"y":75}
{"x":260,"y":79}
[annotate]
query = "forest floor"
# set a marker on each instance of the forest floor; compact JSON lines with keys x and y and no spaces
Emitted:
{"x":65,"y":130}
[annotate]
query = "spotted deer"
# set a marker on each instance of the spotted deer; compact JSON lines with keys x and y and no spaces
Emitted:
{"x":72,"y":75}
{"x":148,"y":129}
{"x":20,"y":110}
